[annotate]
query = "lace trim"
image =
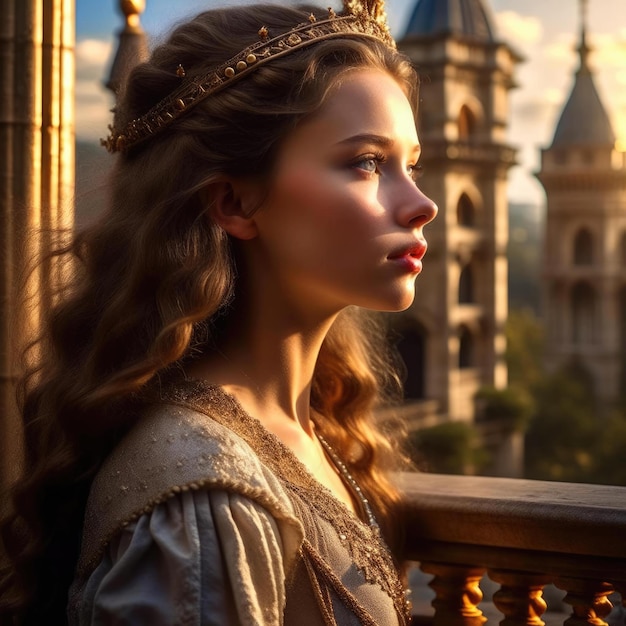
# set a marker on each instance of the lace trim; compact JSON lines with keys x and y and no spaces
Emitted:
{"x":364,"y":544}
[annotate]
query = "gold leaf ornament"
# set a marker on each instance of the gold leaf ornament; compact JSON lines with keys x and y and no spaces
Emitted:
{"x":373,"y":10}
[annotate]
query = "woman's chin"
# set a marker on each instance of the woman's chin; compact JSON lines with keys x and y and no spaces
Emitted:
{"x":395,"y":303}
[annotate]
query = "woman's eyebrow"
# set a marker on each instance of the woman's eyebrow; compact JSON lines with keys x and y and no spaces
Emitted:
{"x":374,"y":139}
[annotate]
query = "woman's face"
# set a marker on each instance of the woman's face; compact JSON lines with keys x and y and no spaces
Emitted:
{"x":343,"y":222}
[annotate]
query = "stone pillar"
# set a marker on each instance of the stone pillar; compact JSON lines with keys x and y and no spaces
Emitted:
{"x":58,"y":135}
{"x":37,"y":180}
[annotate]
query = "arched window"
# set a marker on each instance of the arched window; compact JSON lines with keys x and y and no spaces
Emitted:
{"x":413,"y":352}
{"x":583,"y":247}
{"x":467,"y":123}
{"x":583,"y":309}
{"x":466,"y":286}
{"x":465,"y":211}
{"x":466,"y":348}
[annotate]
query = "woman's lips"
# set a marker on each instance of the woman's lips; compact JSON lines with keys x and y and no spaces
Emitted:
{"x":410,"y":257}
{"x":410,"y":263}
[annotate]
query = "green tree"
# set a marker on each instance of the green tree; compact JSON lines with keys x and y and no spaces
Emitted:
{"x":525,"y":344}
{"x":610,"y":450}
{"x":563,"y":432}
{"x":512,"y":407}
{"x":448,"y":448}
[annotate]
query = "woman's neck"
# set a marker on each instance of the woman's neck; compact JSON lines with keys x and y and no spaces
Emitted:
{"x":267,"y":363}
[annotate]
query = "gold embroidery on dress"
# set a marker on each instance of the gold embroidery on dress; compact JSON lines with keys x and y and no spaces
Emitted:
{"x":317,"y":567}
{"x":367,"y":550}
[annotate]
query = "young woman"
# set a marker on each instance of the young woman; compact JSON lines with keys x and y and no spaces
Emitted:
{"x":201,"y":446}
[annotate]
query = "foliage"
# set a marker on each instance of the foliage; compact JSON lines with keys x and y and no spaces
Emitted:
{"x":563,"y":432}
{"x":448,"y":448}
{"x":610,"y":451}
{"x":524,"y":256}
{"x":568,"y":438}
{"x":512,"y":407}
{"x":524,"y":348}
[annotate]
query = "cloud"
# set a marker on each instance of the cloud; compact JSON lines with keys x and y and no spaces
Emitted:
{"x":522,"y":29}
{"x":92,"y":112}
{"x":92,"y":57}
{"x":608,"y":51}
{"x":561,"y":50}
{"x":93,"y":102}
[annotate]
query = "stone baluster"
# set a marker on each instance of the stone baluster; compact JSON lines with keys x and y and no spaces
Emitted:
{"x":457,"y":594}
{"x":520,"y":597}
{"x":588,"y":600}
{"x":620,"y":587}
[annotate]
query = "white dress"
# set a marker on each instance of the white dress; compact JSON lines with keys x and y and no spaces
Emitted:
{"x":202,"y":517}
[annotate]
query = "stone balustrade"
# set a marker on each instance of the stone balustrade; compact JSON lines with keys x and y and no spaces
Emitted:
{"x":523,"y":534}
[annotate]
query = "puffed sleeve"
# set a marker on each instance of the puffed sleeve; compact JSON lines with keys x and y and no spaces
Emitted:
{"x":208,"y":557}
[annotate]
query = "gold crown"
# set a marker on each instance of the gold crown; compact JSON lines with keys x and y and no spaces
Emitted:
{"x":359,"y":19}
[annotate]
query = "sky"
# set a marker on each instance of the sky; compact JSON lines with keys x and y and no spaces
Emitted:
{"x":545,"y":32}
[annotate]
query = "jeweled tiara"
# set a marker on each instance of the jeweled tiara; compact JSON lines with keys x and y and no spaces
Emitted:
{"x":365,"y":18}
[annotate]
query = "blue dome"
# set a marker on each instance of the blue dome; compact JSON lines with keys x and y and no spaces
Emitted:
{"x":465,"y":18}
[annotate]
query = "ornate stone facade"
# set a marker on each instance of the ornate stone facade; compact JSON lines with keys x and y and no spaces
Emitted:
{"x":584,"y":279}
{"x":453,"y":336}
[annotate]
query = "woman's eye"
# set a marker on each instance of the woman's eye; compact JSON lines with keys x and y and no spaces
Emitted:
{"x":415,"y":172}
{"x":369,"y":164}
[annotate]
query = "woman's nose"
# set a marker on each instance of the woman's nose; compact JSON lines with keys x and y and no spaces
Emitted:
{"x":416,"y":208}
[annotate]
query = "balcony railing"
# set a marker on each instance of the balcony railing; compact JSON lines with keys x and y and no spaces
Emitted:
{"x":523,"y":534}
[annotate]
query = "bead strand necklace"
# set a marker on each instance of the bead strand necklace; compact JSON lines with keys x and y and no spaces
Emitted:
{"x":351,"y":482}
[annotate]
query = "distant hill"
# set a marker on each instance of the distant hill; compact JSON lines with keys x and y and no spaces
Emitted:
{"x":525,"y":252}
{"x":93,"y":164}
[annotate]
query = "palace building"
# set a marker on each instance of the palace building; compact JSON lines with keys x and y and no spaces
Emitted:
{"x":453,"y":337}
{"x":584,"y":280}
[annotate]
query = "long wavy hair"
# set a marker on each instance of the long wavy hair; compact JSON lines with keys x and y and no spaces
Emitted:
{"x":150,"y":278}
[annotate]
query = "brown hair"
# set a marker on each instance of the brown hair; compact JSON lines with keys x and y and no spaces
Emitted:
{"x":154,"y":273}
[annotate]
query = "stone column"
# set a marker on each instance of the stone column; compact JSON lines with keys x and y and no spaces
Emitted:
{"x":37,"y":180}
{"x":58,"y":136}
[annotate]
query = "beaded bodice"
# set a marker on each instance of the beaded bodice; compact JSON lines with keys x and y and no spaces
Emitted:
{"x":196,"y":436}
{"x":361,"y":538}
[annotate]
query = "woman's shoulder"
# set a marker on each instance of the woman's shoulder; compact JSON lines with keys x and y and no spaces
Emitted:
{"x":174,"y":443}
{"x":174,"y":448}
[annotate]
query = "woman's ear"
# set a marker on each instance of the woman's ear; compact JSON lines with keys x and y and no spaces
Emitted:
{"x":232,"y":205}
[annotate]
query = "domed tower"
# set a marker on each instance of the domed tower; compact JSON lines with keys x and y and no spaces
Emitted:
{"x":584,"y":281}
{"x":456,"y":327}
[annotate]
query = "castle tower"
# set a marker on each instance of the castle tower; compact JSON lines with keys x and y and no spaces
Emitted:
{"x":453,"y":336}
{"x":584,"y":281}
